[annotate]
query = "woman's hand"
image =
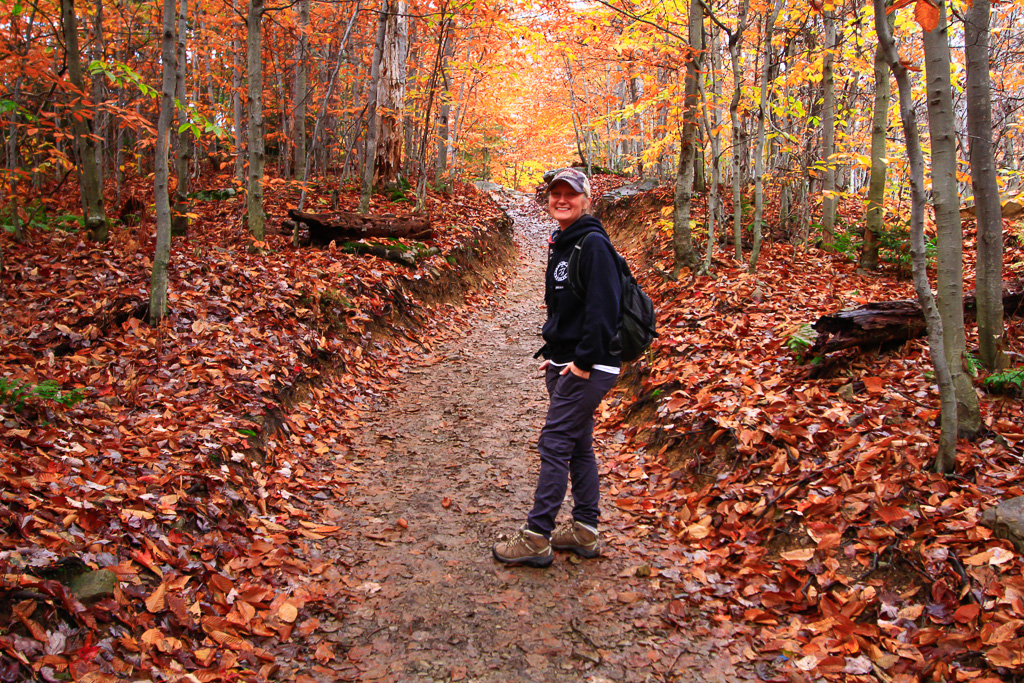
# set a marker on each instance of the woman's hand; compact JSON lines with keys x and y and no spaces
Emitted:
{"x":544,"y":366}
{"x":571,"y":367}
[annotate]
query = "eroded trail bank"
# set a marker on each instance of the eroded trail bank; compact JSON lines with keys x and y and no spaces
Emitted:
{"x":436,"y":475}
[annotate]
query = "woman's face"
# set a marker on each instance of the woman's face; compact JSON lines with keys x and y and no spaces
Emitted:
{"x":565,"y":204}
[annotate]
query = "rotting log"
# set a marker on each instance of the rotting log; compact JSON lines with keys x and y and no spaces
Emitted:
{"x":405,"y":257}
{"x":885,"y":323}
{"x":346,"y":227}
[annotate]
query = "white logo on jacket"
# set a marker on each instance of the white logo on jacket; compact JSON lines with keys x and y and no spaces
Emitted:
{"x":561,"y":271}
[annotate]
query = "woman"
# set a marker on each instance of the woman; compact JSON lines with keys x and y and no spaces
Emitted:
{"x":581,"y":365}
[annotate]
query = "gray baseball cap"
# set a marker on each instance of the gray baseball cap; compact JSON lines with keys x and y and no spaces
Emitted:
{"x":577,"y":180}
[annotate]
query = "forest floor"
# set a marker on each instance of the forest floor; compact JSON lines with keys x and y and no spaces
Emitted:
{"x":299,"y":474}
{"x":436,"y":475}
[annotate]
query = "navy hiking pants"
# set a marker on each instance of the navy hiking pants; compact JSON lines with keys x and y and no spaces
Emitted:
{"x":566,"y":448}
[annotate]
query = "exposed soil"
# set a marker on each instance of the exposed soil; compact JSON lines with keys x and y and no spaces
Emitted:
{"x":437,"y":475}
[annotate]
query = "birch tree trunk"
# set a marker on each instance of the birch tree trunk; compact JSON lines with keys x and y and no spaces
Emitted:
{"x":372,"y":113}
{"x":875,"y":218}
{"x":162,"y":255}
{"x":989,"y":285}
{"x":254,"y":71}
{"x":682,"y":242}
{"x":735,"y":51}
{"x":89,"y":182}
{"x":183,"y":149}
{"x":828,"y":130}
{"x":946,"y":201}
{"x":945,"y":459}
{"x":762,"y":112}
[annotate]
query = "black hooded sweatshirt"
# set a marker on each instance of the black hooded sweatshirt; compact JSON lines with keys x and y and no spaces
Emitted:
{"x":577,"y":330}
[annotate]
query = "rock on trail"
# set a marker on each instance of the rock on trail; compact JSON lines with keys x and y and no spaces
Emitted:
{"x":437,"y":475}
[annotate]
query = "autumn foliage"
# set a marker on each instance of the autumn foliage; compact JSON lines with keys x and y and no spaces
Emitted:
{"x":802,"y":509}
{"x":193,"y":458}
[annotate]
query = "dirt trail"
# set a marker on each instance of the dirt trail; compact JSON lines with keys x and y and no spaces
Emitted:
{"x":442,"y":471}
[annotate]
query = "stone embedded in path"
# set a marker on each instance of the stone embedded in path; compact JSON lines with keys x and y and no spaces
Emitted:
{"x":94,"y":585}
{"x":1007,"y":521}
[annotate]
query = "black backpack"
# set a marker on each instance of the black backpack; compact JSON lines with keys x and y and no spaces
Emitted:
{"x":637,"y":322}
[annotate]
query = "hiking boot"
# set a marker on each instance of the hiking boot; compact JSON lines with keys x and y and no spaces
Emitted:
{"x":577,"y":537}
{"x":525,"y":547}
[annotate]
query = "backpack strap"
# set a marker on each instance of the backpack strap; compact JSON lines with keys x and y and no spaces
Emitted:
{"x":575,"y":284}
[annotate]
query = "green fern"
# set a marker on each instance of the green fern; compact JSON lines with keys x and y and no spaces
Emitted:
{"x":801,"y":340}
{"x":16,"y":393}
{"x":1007,"y":382}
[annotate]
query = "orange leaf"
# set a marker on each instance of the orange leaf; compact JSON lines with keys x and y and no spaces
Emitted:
{"x":874,"y":385}
{"x":967,"y":613}
{"x":157,"y":601}
{"x":927,"y":15}
{"x":801,"y":555}
{"x":896,"y":5}
{"x":287,"y":612}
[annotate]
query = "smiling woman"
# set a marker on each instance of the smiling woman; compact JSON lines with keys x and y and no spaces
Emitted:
{"x":582,"y":359}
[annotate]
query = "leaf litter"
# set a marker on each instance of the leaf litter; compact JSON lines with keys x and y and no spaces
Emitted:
{"x":217,"y":467}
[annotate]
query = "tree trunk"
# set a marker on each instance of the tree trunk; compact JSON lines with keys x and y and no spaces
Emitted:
{"x":986,"y":187}
{"x":322,"y":116}
{"x":946,"y":201}
{"x":283,"y":152}
{"x":735,"y":50}
{"x":874,"y":221}
{"x":828,"y":130}
{"x":762,"y":112}
{"x":162,"y":255}
{"x":682,"y":242}
{"x":183,"y":150}
{"x":254,"y":70}
{"x":391,"y":95}
{"x":444,"y":31}
{"x":300,"y":95}
{"x":89,"y":182}
{"x":945,"y":459}
{"x":660,"y":126}
{"x":373,"y":112}
{"x":236,"y":107}
{"x":99,"y":87}
{"x":444,"y":113}
{"x":713,"y":126}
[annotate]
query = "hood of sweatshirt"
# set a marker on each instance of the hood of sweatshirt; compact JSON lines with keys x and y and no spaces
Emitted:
{"x":564,"y":239}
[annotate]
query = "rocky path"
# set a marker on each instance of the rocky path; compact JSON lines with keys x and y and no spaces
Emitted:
{"x":438,"y":474}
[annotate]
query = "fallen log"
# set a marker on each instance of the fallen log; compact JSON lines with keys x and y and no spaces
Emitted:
{"x":405,"y":257}
{"x":885,"y":323}
{"x":345,"y":227}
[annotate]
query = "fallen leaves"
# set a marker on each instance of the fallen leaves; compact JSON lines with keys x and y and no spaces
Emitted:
{"x":194,"y":467}
{"x":804,"y":508}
